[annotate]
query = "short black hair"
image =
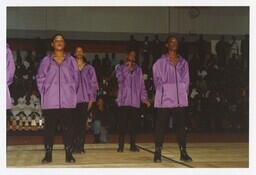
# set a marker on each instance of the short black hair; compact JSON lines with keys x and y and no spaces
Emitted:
{"x":58,"y":34}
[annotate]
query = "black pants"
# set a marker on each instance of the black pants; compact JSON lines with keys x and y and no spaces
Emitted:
{"x":128,"y":118}
{"x":162,"y":121}
{"x":52,"y":118}
{"x":79,"y":127}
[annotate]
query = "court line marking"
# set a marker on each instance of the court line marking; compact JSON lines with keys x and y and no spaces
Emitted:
{"x":168,"y":158}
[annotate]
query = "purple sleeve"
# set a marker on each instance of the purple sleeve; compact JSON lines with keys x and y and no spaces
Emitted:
{"x":156,"y":76}
{"x":94,"y":85}
{"x":119,"y":75}
{"x":10,"y":66}
{"x":75,"y":71}
{"x":186,"y":77}
{"x":41,"y":74}
{"x":143,"y":92}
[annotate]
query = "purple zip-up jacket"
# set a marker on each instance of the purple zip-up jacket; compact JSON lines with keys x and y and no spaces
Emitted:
{"x":171,"y":83}
{"x":9,"y":75}
{"x":88,"y":85}
{"x":131,"y":87}
{"x":58,"y":84}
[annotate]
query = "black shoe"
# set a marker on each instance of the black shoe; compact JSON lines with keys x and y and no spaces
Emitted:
{"x":69,"y":156}
{"x":184,"y":155}
{"x":48,"y":155}
{"x":134,"y":148}
{"x":157,"y":155}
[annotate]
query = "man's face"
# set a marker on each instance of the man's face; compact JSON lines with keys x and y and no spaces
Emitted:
{"x":58,"y":43}
{"x":172,"y":44}
{"x":79,"y":53}
{"x":131,"y":56}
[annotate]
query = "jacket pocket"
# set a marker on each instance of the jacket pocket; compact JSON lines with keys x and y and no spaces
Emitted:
{"x":183,"y":95}
{"x":51,"y":94}
{"x":169,"y":93}
{"x":68,"y":94}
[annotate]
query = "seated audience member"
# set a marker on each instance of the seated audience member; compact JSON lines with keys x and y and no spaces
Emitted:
{"x":100,"y":121}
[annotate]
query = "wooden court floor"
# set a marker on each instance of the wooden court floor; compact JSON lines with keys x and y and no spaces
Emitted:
{"x":204,"y":155}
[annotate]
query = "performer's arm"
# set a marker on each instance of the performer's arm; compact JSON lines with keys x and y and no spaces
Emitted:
{"x":143,"y":92}
{"x":157,"y":76}
{"x":10,"y":67}
{"x":75,"y":71}
{"x":119,"y":75}
{"x":41,"y":75}
{"x":93,"y":84}
{"x":186,"y":77}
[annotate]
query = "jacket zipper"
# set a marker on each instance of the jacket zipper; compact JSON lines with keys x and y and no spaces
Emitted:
{"x":59,"y":88}
{"x":131,"y":90}
{"x":177,"y":85}
{"x":162,"y":95}
{"x":43,"y":96}
{"x":82,"y":83}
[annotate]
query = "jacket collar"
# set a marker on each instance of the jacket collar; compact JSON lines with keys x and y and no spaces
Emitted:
{"x":51,"y":56}
{"x":166,"y":56}
{"x":136,"y":66}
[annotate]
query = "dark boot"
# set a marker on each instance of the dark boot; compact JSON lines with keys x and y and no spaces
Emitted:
{"x":81,"y":146}
{"x":184,"y":155}
{"x":133,"y":146}
{"x":157,"y":155}
{"x":69,"y":156}
{"x":48,"y":155}
{"x":120,"y":144}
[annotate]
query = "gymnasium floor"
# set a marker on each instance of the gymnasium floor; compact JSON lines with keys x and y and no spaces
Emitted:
{"x":205,"y":154}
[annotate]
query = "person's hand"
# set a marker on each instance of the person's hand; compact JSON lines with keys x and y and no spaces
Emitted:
{"x":147,"y":103}
{"x":89,"y":105}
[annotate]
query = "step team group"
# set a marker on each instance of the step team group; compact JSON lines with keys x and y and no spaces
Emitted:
{"x":68,"y":88}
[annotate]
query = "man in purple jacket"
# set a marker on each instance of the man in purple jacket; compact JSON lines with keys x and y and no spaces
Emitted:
{"x":171,"y":79}
{"x":9,"y":76}
{"x":131,"y":92}
{"x":57,"y":81}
